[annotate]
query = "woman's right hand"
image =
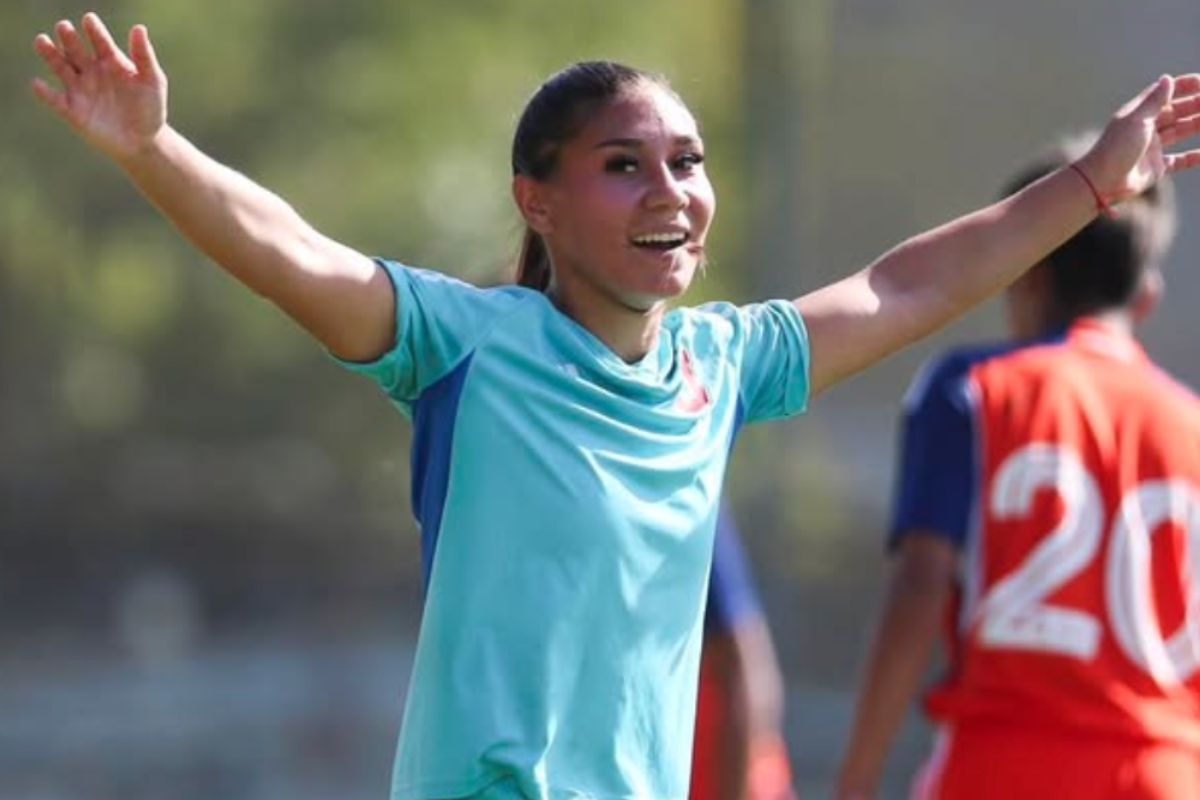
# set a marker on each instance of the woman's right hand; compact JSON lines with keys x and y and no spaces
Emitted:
{"x":116,"y":102}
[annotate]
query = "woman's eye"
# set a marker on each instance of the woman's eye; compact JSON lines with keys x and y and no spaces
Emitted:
{"x":621,"y":164}
{"x":689,"y":161}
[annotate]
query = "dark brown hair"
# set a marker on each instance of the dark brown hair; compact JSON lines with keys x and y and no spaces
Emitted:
{"x":555,"y":114}
{"x":1101,"y":267}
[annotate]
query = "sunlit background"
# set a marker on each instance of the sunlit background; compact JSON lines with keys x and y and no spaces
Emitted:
{"x":209,"y":576}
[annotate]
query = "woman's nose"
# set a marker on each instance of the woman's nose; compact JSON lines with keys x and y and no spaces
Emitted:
{"x":666,"y":190}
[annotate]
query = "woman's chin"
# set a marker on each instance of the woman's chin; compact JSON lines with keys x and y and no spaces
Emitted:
{"x":669,"y":283}
{"x":648,"y":283}
{"x":647,"y":298}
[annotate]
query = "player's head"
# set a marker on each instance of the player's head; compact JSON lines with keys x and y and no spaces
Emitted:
{"x":608,"y":174}
{"x":1113,"y":264}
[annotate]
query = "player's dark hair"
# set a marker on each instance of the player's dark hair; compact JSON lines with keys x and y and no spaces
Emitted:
{"x":1101,"y":267}
{"x":555,"y":114}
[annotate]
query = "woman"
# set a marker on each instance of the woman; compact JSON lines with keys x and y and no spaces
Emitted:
{"x":560,"y":639}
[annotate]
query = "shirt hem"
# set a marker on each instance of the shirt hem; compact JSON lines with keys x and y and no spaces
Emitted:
{"x":447,"y":790}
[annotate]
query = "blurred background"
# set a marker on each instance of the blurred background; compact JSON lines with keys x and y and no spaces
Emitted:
{"x":209,"y":575}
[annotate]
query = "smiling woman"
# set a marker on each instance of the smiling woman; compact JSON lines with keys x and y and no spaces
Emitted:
{"x":559,"y":646}
{"x":617,"y":200}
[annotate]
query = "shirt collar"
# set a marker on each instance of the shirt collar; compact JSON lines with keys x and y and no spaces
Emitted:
{"x":1103,"y":339}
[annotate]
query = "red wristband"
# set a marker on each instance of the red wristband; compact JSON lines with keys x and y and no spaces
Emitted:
{"x":1101,"y":205}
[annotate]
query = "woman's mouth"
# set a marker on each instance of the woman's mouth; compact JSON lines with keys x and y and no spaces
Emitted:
{"x":661,"y":242}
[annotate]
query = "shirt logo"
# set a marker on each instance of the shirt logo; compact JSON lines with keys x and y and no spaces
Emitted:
{"x":693,"y":397}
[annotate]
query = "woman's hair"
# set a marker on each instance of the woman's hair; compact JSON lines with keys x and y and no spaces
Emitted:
{"x":558,"y":110}
{"x":1101,"y":266}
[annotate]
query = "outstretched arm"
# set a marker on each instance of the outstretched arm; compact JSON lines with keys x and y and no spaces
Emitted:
{"x":927,"y":281}
{"x":912,"y":614}
{"x":117,"y":102}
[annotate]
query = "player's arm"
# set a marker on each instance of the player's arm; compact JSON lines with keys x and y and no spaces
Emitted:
{"x":758,"y":672}
{"x":723,"y":664}
{"x":117,"y":102}
{"x":922,"y":579}
{"x":750,"y":672}
{"x":927,"y":281}
{"x":740,"y":656}
{"x":935,"y":490}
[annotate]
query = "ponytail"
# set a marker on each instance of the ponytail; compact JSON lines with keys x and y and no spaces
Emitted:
{"x":533,"y":266}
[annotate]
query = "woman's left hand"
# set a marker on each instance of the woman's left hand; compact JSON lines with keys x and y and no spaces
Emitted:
{"x":1130,"y":155}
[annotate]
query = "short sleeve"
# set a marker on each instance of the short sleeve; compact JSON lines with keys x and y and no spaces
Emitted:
{"x":732,"y":595}
{"x":439,"y":321}
{"x":937,"y":472}
{"x":770,"y":343}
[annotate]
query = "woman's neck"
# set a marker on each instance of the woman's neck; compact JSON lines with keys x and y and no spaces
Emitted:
{"x":629,"y":332}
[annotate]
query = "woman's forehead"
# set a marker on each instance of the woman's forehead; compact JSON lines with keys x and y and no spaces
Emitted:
{"x":647,"y":113}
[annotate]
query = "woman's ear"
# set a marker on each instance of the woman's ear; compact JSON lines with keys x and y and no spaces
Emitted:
{"x":530,"y":197}
{"x":1149,"y":292}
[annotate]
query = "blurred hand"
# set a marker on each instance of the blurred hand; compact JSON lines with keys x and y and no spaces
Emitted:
{"x":116,"y":102}
{"x":1130,"y":156}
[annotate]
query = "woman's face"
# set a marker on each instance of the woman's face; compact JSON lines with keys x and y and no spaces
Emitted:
{"x":628,"y":208}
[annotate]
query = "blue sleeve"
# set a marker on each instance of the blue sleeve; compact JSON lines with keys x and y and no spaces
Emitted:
{"x":937,"y":473}
{"x":732,"y":595}
{"x":439,"y":320}
{"x":770,"y":344}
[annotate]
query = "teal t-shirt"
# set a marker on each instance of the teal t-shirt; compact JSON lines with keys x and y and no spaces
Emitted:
{"x":567,"y":502}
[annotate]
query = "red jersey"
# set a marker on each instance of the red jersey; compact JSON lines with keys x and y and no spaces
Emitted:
{"x":1068,"y":472}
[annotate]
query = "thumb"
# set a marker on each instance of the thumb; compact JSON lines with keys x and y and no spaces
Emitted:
{"x":1153,"y":98}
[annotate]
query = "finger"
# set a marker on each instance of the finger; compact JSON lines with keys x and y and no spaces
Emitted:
{"x":50,"y":96}
{"x":1179,"y":130}
{"x":102,"y":42}
{"x":72,"y":45}
{"x":1186,"y":85}
{"x":1177,"y":110}
{"x":62,"y":69}
{"x":1181,"y":161}
{"x":142,"y":51}
{"x":1154,"y":98}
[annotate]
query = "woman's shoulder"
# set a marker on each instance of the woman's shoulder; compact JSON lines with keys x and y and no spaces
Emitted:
{"x":714,"y":313}
{"x":436,"y":283}
{"x":708,"y":328}
{"x":723,"y":316}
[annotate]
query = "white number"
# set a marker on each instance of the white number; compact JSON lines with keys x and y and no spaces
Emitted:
{"x":1127,"y":584}
{"x":1014,"y":614}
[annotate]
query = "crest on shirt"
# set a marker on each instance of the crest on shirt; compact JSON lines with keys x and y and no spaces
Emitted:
{"x":693,"y":396}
